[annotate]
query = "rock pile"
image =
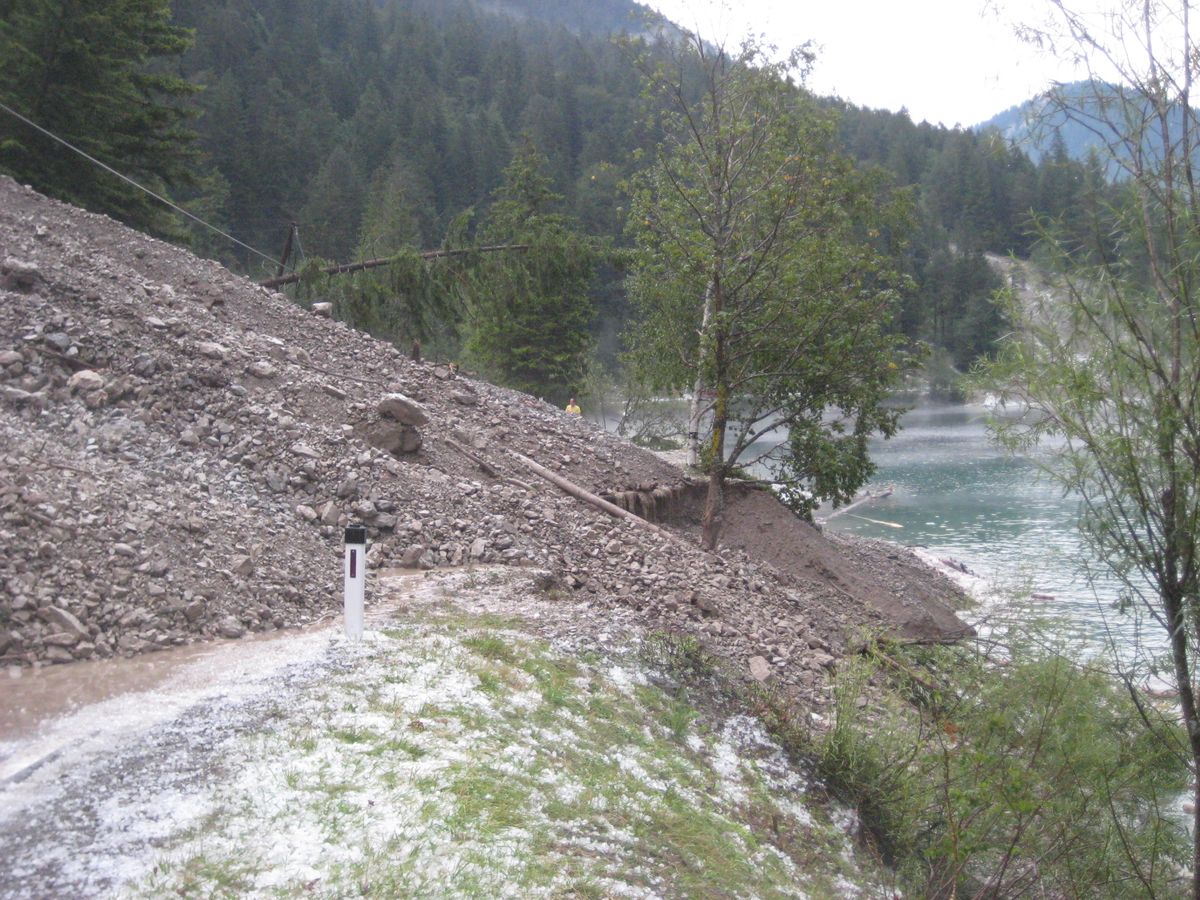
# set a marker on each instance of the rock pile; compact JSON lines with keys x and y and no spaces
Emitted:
{"x":180,"y":449}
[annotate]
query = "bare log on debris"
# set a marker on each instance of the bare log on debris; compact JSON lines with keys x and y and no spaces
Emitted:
{"x":486,"y":467}
{"x":281,"y":280}
{"x":588,"y":497}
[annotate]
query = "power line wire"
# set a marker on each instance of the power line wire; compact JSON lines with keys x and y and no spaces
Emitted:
{"x":126,"y":178}
{"x":299,"y":246}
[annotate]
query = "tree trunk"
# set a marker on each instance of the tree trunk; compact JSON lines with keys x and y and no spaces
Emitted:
{"x":1175,"y":596}
{"x":714,"y":507}
{"x":294,"y":277}
{"x":695,"y":412}
{"x":714,"y":504}
{"x":1187,"y":707}
{"x":587,"y":496}
{"x":1196,"y":841}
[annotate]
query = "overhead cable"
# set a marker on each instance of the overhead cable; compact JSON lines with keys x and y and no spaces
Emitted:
{"x":126,"y":178}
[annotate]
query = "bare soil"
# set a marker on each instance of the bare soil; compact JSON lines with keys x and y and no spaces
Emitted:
{"x":916,"y":601}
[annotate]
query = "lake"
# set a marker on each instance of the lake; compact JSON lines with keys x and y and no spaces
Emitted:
{"x":963,"y":498}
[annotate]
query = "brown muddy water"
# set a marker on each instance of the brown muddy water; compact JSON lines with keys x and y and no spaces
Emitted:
{"x":28,"y":697}
{"x":31,"y":697}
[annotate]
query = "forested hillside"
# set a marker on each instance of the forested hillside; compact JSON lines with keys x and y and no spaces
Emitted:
{"x":376,"y":124}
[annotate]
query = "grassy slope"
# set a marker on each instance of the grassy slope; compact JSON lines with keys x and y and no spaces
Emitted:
{"x":456,"y":755}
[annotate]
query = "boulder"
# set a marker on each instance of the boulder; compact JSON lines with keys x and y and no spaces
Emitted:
{"x":59,"y":340}
{"x":66,"y":621}
{"x":760,"y":669}
{"x":302,"y":449}
{"x":18,"y":275}
{"x":229,"y":627}
{"x":403,"y":409}
{"x":395,"y":438}
{"x":56,"y":654}
{"x":330,"y":513}
{"x":18,"y":396}
{"x":819,"y":660}
{"x":212,"y":350}
{"x":61,"y":639}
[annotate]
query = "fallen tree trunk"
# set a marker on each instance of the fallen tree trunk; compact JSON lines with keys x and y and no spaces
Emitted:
{"x":587,"y":496}
{"x":486,"y":467}
{"x":376,"y":263}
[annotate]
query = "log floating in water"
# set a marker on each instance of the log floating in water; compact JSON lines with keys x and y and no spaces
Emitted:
{"x":876,"y":521}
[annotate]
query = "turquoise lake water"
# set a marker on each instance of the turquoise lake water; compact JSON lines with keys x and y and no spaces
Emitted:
{"x":963,"y":498}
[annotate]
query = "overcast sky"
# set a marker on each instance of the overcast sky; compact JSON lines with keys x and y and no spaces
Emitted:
{"x":946,"y":61}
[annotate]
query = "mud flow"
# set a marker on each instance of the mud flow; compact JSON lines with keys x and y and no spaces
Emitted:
{"x":31,"y":697}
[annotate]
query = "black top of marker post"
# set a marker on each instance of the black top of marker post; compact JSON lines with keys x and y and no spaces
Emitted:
{"x":356,"y":534}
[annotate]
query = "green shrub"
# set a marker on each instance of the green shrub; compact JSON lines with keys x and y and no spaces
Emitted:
{"x":1026,"y":776}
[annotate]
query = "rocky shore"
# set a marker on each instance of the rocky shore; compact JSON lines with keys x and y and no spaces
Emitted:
{"x":180,"y":450}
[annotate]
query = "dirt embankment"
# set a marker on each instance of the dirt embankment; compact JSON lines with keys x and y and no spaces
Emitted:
{"x":180,"y":449}
{"x":913,"y":599}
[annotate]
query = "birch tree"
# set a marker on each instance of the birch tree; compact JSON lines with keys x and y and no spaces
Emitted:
{"x":760,"y":278}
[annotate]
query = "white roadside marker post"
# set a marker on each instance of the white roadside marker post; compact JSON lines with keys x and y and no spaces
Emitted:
{"x":356,"y":579}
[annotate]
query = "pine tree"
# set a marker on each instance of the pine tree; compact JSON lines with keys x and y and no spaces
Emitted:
{"x":85,"y":70}
{"x":529,"y":312}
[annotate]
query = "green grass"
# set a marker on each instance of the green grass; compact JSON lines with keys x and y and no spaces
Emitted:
{"x":397,"y":745}
{"x":355,"y":735}
{"x":486,"y":801}
{"x":542,"y":776}
{"x":490,"y":646}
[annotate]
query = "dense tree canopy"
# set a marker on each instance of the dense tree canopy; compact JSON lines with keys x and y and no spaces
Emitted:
{"x":82,"y":70}
{"x":528,"y":311}
{"x":309,"y":108}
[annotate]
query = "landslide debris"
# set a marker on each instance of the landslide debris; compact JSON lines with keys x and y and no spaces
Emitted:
{"x":180,"y":450}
